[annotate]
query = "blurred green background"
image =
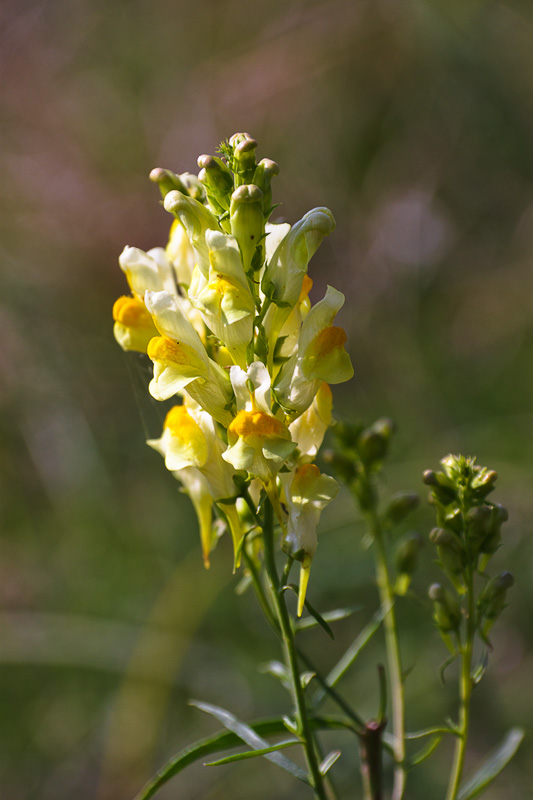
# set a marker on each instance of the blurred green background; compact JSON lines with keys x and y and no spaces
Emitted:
{"x":413,"y":122}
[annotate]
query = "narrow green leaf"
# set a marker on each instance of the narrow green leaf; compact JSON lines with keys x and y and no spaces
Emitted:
{"x":494,"y":764}
{"x":277,"y":670}
{"x":224,"y":740}
{"x":425,"y":751}
{"x":312,"y":610}
{"x":252,"y":753}
{"x":328,"y":762}
{"x":251,"y":738}
{"x":346,"y":661}
{"x":306,"y":678}
{"x":432,"y":732}
{"x":329,"y":616}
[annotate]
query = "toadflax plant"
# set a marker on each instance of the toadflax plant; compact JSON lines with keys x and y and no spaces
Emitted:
{"x":223,"y":313}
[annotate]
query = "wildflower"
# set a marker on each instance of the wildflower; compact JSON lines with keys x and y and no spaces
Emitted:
{"x":307,"y":492}
{"x":224,"y":314}
{"x":192,"y":452}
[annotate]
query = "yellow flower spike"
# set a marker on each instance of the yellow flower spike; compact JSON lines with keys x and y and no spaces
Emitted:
{"x":134,"y":326}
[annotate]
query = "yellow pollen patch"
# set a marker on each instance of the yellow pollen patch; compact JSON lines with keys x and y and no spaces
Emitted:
{"x":179,"y":422}
{"x":187,"y":436}
{"x":327,"y":340}
{"x":162,"y":349}
{"x":307,"y":285}
{"x":132,"y":313}
{"x":221,"y":285}
{"x":249,"y":424}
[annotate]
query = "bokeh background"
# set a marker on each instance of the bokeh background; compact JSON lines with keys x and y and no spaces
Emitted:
{"x":413,"y":122}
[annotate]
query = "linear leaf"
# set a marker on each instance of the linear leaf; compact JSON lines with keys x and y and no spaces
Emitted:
{"x":328,"y":616}
{"x":432,"y":732}
{"x":425,"y":751}
{"x":251,"y":738}
{"x":328,"y":762}
{"x":224,"y":740}
{"x":252,"y":753}
{"x":346,"y":661}
{"x":494,"y":764}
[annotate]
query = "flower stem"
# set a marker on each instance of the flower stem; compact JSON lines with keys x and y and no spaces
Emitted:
{"x":302,"y":720}
{"x":386,"y":594}
{"x":465,"y":692}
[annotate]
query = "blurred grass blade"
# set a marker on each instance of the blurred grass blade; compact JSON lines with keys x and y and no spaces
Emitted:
{"x":494,"y":764}
{"x":346,"y":661}
{"x":251,"y":738}
{"x":222,"y":740}
{"x":253,"y":753}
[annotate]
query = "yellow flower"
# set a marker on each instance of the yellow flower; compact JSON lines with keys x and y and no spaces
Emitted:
{"x":192,"y":452}
{"x":224,"y":298}
{"x":307,"y":493}
{"x":134,"y":326}
{"x":181,"y":361}
{"x":320,"y":356}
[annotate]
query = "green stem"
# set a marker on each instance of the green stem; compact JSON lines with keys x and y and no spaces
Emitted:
{"x":302,"y":719}
{"x":465,"y":690}
{"x":386,"y":595}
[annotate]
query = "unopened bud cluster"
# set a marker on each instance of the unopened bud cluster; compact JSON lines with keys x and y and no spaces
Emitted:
{"x":358,"y":459}
{"x":223,"y":313}
{"x":468,"y":533}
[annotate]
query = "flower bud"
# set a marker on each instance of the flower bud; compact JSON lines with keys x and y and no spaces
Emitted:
{"x":217,"y":178}
{"x":451,"y":555}
{"x":446,"y":609}
{"x":493,"y":538}
{"x":264,"y":172}
{"x":400,"y":506}
{"x":244,"y":154}
{"x":247,"y":220}
{"x":483,"y":483}
{"x":407,"y":560}
{"x":373,"y":442}
{"x":479,"y":524}
{"x":441,"y":486}
{"x":491,"y":601}
{"x":343,"y":467}
{"x":167,"y":181}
